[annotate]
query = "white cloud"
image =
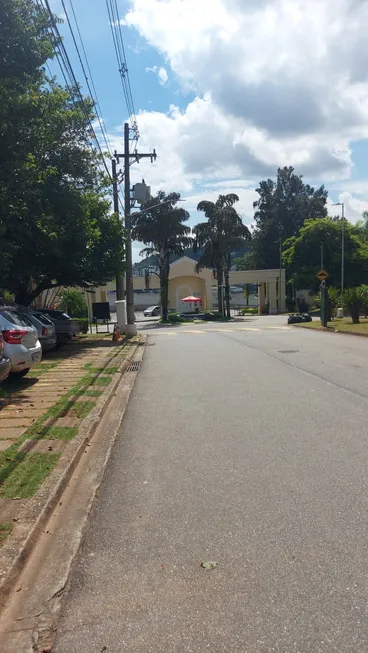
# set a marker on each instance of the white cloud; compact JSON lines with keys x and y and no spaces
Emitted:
{"x":161,"y":72}
{"x":353,"y":207}
{"x":278,"y":82}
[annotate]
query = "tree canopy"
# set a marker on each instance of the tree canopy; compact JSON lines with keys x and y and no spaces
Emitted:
{"x":302,"y":254}
{"x":281,"y":210}
{"x":160,"y":226}
{"x":56,"y":227}
{"x":223,"y":232}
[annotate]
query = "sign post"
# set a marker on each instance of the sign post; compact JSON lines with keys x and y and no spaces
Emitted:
{"x":322,"y":276}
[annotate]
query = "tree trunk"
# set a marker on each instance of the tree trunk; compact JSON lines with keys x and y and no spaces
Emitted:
{"x":219,"y":274}
{"x":227,"y":291}
{"x":164,"y":290}
{"x":25,"y":296}
{"x":355,"y":313}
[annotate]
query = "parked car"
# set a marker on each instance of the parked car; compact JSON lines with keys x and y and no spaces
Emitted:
{"x":5,"y":364}
{"x":297,"y":318}
{"x":21,"y":344}
{"x":66,"y":327}
{"x":45,"y":327}
{"x":152,"y":311}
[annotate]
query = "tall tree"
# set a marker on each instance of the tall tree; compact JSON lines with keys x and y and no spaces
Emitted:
{"x":160,"y":226}
{"x":302,"y":254}
{"x":55,"y":222}
{"x":281,"y":210}
{"x":223,"y":232}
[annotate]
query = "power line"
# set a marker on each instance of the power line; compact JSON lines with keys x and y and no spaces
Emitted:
{"x":74,"y":86}
{"x":118,"y":41}
{"x":93,"y":93}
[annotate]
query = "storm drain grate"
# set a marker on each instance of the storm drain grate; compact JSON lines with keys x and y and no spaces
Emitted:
{"x":134,"y":366}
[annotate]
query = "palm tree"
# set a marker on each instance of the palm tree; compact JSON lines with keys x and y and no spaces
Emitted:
{"x":160,"y":227}
{"x":223,"y":232}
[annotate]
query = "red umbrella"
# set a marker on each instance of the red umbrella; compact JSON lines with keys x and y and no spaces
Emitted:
{"x":191,"y":298}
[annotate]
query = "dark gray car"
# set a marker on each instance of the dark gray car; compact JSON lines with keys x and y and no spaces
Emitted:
{"x":66,"y":327}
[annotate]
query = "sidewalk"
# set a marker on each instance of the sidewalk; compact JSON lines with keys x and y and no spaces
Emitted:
{"x":41,"y":414}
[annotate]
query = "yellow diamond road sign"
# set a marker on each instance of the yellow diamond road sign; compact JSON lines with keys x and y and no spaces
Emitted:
{"x":322,"y":275}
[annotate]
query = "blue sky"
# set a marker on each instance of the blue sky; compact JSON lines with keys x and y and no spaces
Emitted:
{"x":227,"y":90}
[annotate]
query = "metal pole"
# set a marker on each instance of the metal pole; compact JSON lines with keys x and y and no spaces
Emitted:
{"x":280,"y":294}
{"x":131,"y":327}
{"x":342,"y":247}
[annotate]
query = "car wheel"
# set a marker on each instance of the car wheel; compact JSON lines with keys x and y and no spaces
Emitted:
{"x":18,"y":375}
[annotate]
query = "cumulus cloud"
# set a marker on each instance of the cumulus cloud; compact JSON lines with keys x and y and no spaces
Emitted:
{"x":161,"y":72}
{"x":279,"y":82}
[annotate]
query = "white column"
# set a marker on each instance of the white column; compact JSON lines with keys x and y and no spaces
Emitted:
{"x":121,"y":315}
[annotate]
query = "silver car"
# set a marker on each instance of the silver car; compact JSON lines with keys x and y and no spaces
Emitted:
{"x":152,"y":311}
{"x":21,"y":344}
{"x":4,"y":362}
{"x":45,"y":327}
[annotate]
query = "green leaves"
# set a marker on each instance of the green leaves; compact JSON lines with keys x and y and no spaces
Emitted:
{"x":160,"y":226}
{"x":281,"y":211}
{"x":55,"y":222}
{"x":302,"y":254}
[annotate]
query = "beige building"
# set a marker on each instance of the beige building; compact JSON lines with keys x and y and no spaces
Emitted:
{"x":184,"y":281}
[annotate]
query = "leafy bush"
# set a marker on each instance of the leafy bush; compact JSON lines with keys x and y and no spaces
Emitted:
{"x":354,"y":300}
{"x":249,"y":311}
{"x":72,"y":302}
{"x":212,"y":316}
{"x":334,"y":301}
{"x":83,"y":323}
{"x":174,"y":318}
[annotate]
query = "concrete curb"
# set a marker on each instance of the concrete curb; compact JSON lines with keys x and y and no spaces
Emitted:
{"x":35,"y":514}
{"x":330,"y":330}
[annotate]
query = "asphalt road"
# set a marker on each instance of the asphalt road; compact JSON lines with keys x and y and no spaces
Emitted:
{"x":243,"y":448}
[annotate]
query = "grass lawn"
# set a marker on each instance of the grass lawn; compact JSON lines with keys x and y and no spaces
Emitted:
{"x":23,"y":474}
{"x":342,"y":324}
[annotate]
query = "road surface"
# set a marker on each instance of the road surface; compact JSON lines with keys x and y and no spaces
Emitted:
{"x":244,"y":445}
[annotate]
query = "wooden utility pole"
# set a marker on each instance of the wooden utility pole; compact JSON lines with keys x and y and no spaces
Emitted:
{"x":119,"y":275}
{"x":127,"y":156}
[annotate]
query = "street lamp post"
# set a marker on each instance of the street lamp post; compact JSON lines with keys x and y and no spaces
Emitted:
{"x":342,"y":243}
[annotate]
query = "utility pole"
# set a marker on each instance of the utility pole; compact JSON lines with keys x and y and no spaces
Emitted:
{"x":342,"y":243}
{"x":127,"y":156}
{"x":342,"y":248}
{"x":119,"y":276}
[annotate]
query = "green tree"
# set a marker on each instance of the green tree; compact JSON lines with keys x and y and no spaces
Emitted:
{"x":281,"y":210}
{"x":56,"y":228}
{"x":223,"y":232}
{"x":72,"y":302}
{"x":302,"y":254}
{"x":161,"y":228}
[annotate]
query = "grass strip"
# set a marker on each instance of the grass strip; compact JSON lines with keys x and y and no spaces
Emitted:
{"x":64,"y":433}
{"x":21,"y":473}
{"x":5,"y":530}
{"x":343,"y":324}
{"x":24,"y":474}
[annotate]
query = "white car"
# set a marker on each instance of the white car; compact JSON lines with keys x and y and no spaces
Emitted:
{"x":21,"y":344}
{"x":152,"y":311}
